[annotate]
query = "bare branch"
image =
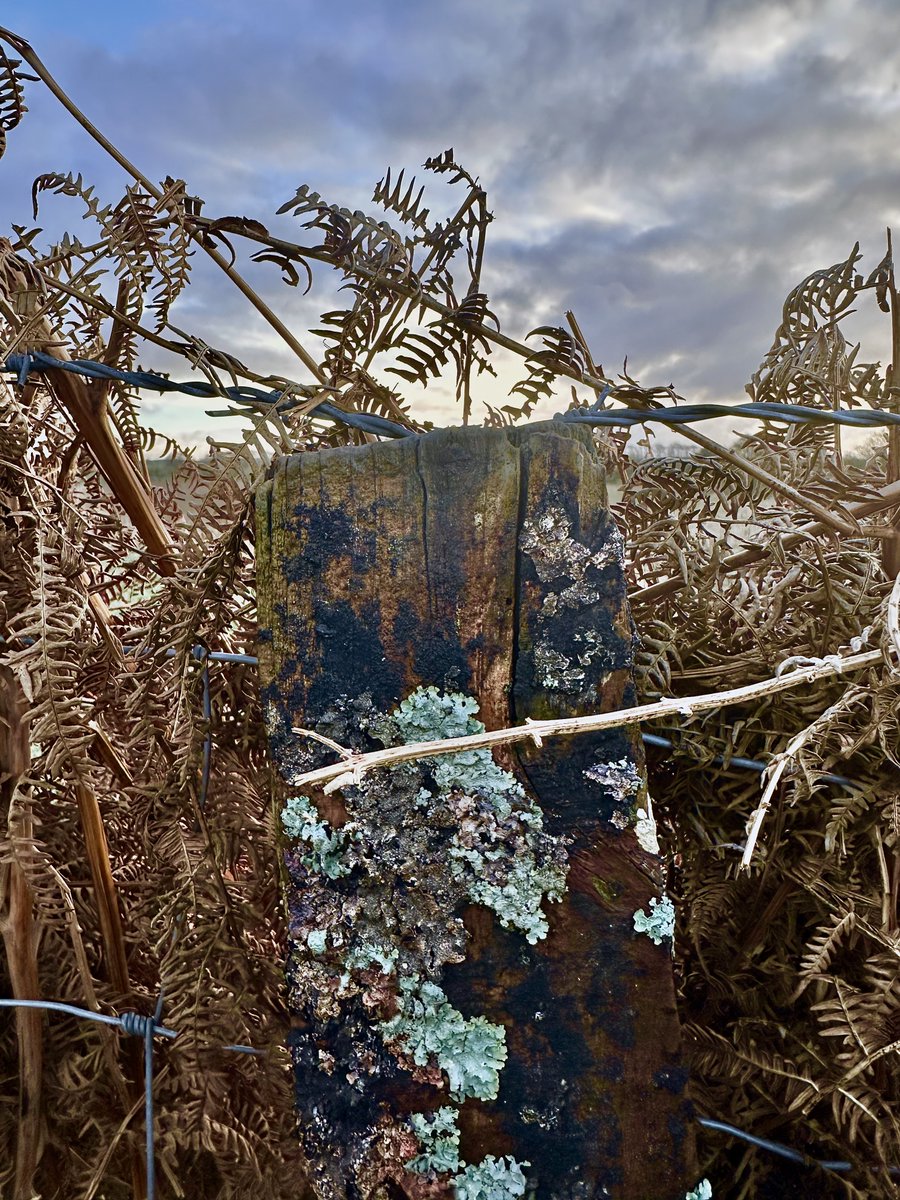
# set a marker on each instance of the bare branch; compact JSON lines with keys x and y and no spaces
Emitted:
{"x":336,"y":775}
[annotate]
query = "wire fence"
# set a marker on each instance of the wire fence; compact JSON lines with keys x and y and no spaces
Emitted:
{"x":293,"y":395}
{"x":37,"y":362}
{"x":134,"y":1024}
{"x":147,"y":1027}
{"x":138,"y":1025}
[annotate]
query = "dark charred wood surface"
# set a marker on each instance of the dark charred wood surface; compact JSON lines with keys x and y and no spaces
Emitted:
{"x":483,"y":562}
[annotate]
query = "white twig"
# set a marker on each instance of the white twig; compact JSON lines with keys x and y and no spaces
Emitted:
{"x":336,"y":774}
{"x":345,"y":779}
{"x":893,"y":617}
{"x":776,"y":767}
{"x":774,"y":771}
{"x":326,"y":741}
{"x":535,"y":737}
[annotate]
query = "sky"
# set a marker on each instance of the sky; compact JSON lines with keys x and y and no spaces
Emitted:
{"x":668,"y":169}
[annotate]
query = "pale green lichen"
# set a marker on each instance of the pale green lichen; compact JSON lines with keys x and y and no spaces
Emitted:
{"x":429,"y":1028}
{"x":317,"y":940}
{"x":437,"y":835}
{"x":367,"y":953}
{"x":660,"y":923}
{"x":510,"y":864}
{"x":518,"y":902}
{"x":703,"y":1191}
{"x":428,"y":715}
{"x":491,"y":1179}
{"x":439,"y":1137}
{"x":301,"y":822}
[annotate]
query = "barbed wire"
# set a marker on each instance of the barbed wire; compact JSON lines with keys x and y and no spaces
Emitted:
{"x":688,"y":414}
{"x":208,"y":656}
{"x":136,"y":1024}
{"x":24,"y":365}
{"x":281,"y":401}
{"x":736,"y":760}
{"x":37,"y":362}
{"x":839,"y":1165}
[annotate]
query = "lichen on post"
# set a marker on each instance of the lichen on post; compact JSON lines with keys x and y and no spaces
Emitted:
{"x":478,"y":1011}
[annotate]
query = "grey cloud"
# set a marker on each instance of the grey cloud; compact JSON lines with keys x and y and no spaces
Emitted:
{"x":668,"y":171}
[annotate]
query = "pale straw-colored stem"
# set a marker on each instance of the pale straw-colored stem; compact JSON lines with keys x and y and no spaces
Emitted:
{"x":774,"y":771}
{"x":325,"y":741}
{"x":336,"y":775}
{"x":893,"y":617}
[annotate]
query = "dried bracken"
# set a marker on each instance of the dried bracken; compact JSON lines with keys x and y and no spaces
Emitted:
{"x":139,"y":834}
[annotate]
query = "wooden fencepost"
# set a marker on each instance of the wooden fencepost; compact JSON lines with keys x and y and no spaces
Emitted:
{"x":479,"y":948}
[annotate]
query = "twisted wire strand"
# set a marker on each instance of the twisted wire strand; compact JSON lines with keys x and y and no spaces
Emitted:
{"x":138,"y":1025}
{"x":37,"y":362}
{"x":133,"y":1024}
{"x":23,"y":365}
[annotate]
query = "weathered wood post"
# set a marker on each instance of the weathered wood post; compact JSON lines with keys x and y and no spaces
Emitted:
{"x":477,"y":1010}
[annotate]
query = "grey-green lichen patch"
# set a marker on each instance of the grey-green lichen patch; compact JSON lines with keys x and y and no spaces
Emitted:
{"x":620,"y":779}
{"x":574,"y":582}
{"x":499,"y":851}
{"x":660,"y":924}
{"x":325,"y":846}
{"x":317,"y":940}
{"x":518,"y":901}
{"x":375,"y":913}
{"x":703,"y":1191}
{"x":428,"y":1028}
{"x":491,"y":1179}
{"x":624,"y":786}
{"x":556,"y":672}
{"x":547,"y":540}
{"x":439,"y":1138}
{"x":365,"y":953}
{"x":430,"y":715}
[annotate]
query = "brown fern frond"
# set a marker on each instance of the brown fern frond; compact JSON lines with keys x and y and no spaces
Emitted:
{"x":446,"y":164}
{"x":407,"y":206}
{"x":823,"y":947}
{"x":12,"y":96}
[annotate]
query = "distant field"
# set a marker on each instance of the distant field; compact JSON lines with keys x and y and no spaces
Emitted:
{"x":162,"y":469}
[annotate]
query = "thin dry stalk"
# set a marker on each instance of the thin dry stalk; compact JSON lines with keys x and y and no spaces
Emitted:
{"x":336,"y":775}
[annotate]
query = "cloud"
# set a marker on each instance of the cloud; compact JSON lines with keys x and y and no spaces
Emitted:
{"x":667,"y":171}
